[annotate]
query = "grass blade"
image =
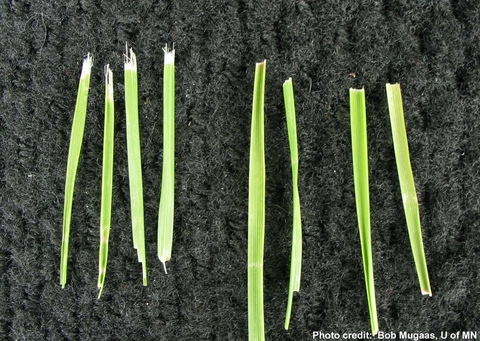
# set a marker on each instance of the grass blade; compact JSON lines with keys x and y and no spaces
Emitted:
{"x":256,"y":210}
{"x":107,"y":179}
{"x":407,"y":184}
{"x":134,"y":158}
{"x":76,"y":139}
{"x":166,"y":210}
{"x":360,"y":175}
{"x":296,"y":258}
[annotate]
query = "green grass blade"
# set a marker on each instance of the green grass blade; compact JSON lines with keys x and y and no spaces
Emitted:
{"x":407,"y":184}
{"x":256,"y":210}
{"x":76,"y":139}
{"x":134,"y":158}
{"x":360,"y":175}
{"x":296,"y":258}
{"x":107,"y":179}
{"x":166,"y":210}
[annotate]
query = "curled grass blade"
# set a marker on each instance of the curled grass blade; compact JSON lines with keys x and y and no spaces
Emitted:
{"x":296,"y":257}
{"x":407,"y":184}
{"x":107,"y":179}
{"x":76,"y":139}
{"x":134,"y":158}
{"x":362,"y":200}
{"x":166,"y":210}
{"x":256,"y":210}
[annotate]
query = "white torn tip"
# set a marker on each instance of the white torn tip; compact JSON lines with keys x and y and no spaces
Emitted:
{"x":164,"y":267}
{"x":87,"y":66}
{"x":358,"y":90}
{"x":262,"y":63}
{"x":169,"y":55}
{"x":109,"y":81}
{"x":288,"y":80}
{"x":130,"y":59}
{"x":108,"y":74}
{"x":427,"y":293}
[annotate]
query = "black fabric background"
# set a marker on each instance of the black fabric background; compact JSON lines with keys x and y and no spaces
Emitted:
{"x":430,"y":47}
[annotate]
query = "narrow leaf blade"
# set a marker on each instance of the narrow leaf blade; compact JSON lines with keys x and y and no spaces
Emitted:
{"x":107,"y":179}
{"x":167,"y":197}
{"x":256,"y":210}
{"x":296,"y":257}
{"x":76,"y":139}
{"x":407,"y":184}
{"x":362,"y":200}
{"x":134,"y":158}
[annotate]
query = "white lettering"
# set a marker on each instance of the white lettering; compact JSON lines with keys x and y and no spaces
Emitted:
{"x":319,"y":335}
{"x":386,"y":336}
{"x":455,"y":336}
{"x":469,"y":335}
{"x":356,"y":336}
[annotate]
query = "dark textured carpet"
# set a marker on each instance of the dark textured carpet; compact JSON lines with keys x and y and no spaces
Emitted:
{"x":430,"y":47}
